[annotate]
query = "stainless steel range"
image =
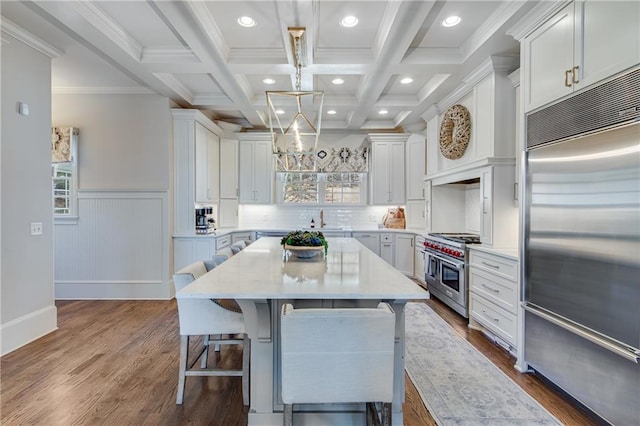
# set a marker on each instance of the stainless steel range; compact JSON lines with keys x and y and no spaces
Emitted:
{"x":446,"y":271}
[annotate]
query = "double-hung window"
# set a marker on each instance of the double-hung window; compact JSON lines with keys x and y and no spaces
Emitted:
{"x":322,"y":188}
{"x":64,"y":172}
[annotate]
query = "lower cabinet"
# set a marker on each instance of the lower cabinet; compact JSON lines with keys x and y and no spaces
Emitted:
{"x":419,"y":261}
{"x":242,"y":236}
{"x":494,"y":296}
{"x":403,"y":248}
{"x":190,"y":249}
{"x":386,"y":248}
{"x":370,"y":240}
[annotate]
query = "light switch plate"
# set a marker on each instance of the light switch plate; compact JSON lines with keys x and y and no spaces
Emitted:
{"x":36,"y":228}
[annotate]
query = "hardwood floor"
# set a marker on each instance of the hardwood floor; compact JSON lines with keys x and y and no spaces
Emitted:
{"x":115,"y":362}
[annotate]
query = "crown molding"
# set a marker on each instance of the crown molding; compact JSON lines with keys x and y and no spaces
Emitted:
{"x":539,"y":14}
{"x":24,"y":36}
{"x":491,"y":65}
{"x":95,"y":90}
{"x":109,"y":28}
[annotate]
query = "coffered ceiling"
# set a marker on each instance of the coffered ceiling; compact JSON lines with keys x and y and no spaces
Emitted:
{"x":198,"y":55}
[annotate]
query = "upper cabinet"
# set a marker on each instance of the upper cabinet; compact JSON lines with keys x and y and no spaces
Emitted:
{"x":196,"y":166}
{"x":581,"y":44}
{"x":229,"y":192}
{"x":415,"y":162}
{"x":256,"y":168}
{"x":207,"y":163}
{"x":387,"y":173}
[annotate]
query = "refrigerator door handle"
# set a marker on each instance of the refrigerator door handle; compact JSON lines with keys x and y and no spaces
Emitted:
{"x":625,"y":352}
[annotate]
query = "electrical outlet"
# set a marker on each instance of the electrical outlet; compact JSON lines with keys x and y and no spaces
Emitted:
{"x":36,"y":228}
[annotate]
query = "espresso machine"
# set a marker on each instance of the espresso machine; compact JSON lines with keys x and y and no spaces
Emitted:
{"x":205,"y":223}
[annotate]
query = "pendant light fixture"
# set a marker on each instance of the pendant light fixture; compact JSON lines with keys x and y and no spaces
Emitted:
{"x":295,"y":117}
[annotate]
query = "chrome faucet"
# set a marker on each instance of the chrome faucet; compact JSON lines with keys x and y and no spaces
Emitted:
{"x":322,"y":222}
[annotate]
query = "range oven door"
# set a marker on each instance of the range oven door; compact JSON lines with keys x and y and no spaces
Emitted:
{"x":431,"y":270}
{"x":452,"y":280}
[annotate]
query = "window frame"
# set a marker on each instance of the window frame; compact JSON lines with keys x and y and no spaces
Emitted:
{"x":321,"y":181}
{"x":73,"y":216}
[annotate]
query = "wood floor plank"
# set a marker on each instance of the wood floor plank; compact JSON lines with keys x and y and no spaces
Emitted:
{"x":115,"y":363}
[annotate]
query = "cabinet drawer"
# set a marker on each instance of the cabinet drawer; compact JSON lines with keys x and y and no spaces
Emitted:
{"x":503,"y":293}
{"x":498,"y":265}
{"x":494,"y":318}
{"x":223,"y":242}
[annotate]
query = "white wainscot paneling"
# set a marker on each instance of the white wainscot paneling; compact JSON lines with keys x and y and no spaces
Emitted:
{"x":117,"y":250}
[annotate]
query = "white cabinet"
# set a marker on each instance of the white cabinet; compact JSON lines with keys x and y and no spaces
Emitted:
{"x":415,"y":162}
{"x":371,"y":240}
{"x":494,"y":296}
{"x":228,"y":168}
{"x":583,"y":43}
{"x":386,"y":248}
{"x":196,"y":167}
{"x":189,"y":250}
{"x":486,"y":205}
{"x":427,"y":205}
{"x":207,"y":163}
{"x":228,"y":205}
{"x":515,"y":80}
{"x":415,"y":214}
{"x":242,"y":236}
{"x":419,"y":261}
{"x":404,"y":253}
{"x":387,"y":171}
{"x":256,"y":168}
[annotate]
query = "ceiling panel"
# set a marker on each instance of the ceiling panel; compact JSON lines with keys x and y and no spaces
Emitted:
{"x":333,"y":36}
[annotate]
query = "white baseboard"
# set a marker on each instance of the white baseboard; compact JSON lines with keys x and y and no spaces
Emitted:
{"x":20,"y":331}
{"x":113,"y":290}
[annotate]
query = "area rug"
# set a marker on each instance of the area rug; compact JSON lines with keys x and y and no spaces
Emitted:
{"x":458,"y":385}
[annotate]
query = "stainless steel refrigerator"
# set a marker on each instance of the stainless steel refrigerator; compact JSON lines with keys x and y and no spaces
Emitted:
{"x":581,"y":252}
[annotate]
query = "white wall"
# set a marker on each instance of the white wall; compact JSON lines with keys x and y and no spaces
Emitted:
{"x":26,"y":287}
{"x":119,"y":248}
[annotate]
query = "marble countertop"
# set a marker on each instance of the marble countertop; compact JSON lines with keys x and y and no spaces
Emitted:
{"x":225,"y":231}
{"x":262,"y":271}
{"x":509,"y":252}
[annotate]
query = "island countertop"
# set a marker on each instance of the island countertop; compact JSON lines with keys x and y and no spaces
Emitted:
{"x":264,"y":270}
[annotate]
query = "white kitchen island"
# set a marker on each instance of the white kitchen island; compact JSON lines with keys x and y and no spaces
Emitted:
{"x":263,"y":277}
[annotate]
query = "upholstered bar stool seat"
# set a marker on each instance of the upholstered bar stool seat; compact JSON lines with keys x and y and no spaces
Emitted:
{"x":338,"y":356}
{"x":206,"y":318}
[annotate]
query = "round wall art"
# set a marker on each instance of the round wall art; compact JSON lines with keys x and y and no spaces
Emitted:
{"x":455,"y":132}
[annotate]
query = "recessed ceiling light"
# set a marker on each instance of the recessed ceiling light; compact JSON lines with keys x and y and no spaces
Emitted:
{"x":246,"y":21}
{"x":337,"y":81}
{"x":383,"y":112}
{"x":451,"y":21}
{"x":279,"y":111}
{"x":269,"y":81}
{"x":406,"y":80}
{"x":331,"y":112}
{"x":349,"y":21}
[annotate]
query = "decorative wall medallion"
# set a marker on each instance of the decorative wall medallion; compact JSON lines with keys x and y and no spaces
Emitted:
{"x":455,"y":132}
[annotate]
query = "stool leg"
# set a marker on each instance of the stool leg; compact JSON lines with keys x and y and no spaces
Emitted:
{"x":288,"y":415}
{"x":205,"y":354}
{"x":246,"y":357}
{"x":386,"y":414}
{"x":182,"y":369}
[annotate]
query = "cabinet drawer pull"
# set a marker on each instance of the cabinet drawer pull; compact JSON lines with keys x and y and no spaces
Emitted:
{"x":493,"y":319}
{"x":489,"y":288}
{"x":490,"y":265}
{"x":574,"y":76}
{"x":566,"y":78}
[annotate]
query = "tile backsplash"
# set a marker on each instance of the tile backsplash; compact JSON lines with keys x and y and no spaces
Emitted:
{"x":276,"y":216}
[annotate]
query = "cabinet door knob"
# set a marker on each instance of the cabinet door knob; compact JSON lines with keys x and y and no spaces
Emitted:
{"x":574,"y":76}
{"x":566,"y":78}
